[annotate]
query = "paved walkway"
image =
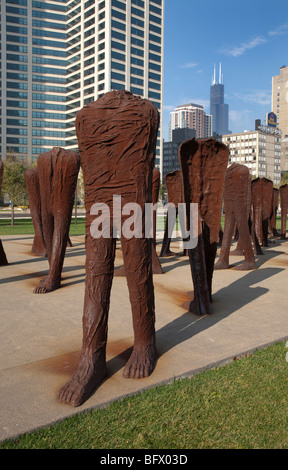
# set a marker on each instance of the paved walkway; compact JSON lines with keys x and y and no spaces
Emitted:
{"x":40,"y":335}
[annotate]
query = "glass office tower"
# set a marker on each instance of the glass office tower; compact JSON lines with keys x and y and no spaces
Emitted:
{"x":33,"y":77}
{"x":58,"y":56}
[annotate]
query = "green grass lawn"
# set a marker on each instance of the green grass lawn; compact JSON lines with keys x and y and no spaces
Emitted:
{"x":243,"y":405}
{"x":25,"y":226}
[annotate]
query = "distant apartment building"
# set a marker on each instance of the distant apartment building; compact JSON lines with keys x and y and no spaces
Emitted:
{"x":280,"y":108}
{"x":59,"y":55}
{"x":170,"y":149}
{"x":218,"y":109}
{"x":191,"y":116}
{"x":260,"y":151}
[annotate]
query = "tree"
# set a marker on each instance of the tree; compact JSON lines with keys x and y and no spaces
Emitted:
{"x":284,"y":177}
{"x":162,"y":192}
{"x":14,"y":184}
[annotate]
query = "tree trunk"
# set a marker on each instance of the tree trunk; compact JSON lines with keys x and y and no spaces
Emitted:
{"x":12,"y":214}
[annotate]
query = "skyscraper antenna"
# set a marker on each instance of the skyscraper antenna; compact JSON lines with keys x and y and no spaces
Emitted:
{"x":214,"y":77}
{"x":220,"y":74}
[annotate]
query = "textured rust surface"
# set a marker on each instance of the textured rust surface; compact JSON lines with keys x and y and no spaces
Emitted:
{"x":237,"y":204}
{"x":57,"y":171}
{"x":156,"y":266}
{"x":174,"y":186}
{"x":203,"y":164}
{"x":284,"y":209}
{"x":262,"y":203}
{"x":117,"y":140}
{"x":272,"y":222}
{"x":33,"y":189}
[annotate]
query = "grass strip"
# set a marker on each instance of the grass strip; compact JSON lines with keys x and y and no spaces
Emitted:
{"x":25,"y":226}
{"x":243,"y":405}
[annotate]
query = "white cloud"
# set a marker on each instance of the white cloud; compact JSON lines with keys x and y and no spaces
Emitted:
{"x":236,"y":51}
{"x":280,"y":30}
{"x":169,"y":107}
{"x":189,"y":65}
{"x":261,"y":97}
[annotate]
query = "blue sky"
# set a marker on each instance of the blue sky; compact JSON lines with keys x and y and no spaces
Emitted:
{"x":249,"y":38}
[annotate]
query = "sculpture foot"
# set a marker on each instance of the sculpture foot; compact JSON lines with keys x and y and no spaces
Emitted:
{"x":246,"y":266}
{"x":141,"y":362}
{"x":42,"y":282}
{"x":221,"y":265}
{"x":193,"y":307}
{"x":84,"y":381}
{"x":45,"y":286}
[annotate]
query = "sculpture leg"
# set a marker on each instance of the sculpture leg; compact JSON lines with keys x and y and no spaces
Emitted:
{"x":56,"y":255}
{"x":183,"y":231}
{"x":138,"y":268}
{"x":265,"y":225}
{"x":48,"y":229}
{"x":200,"y":305}
{"x":165,"y":250}
{"x":32,"y":185}
{"x":246,"y":244}
{"x":283,"y":222}
{"x":92,"y":365}
{"x":229,"y":224}
{"x":57,"y":180}
{"x":255,"y":241}
{"x":257,"y":223}
{"x":239,"y":248}
{"x":210,"y":250}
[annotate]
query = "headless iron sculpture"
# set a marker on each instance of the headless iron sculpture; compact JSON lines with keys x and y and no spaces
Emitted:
{"x":262,"y":202}
{"x":117,"y":139}
{"x":237,"y":204}
{"x":203,"y":164}
{"x":174,"y":186}
{"x":57,"y":171}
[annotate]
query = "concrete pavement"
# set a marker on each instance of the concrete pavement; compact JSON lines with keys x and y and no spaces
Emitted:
{"x":40,"y":335}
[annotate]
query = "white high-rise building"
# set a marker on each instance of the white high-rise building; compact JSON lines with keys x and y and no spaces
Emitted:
{"x":191,"y":116}
{"x":259,"y":150}
{"x":58,"y":56}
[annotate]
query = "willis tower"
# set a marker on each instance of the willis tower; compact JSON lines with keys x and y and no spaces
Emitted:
{"x":218,"y":109}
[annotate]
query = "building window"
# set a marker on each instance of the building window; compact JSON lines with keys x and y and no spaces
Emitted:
{"x":117,"y":76}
